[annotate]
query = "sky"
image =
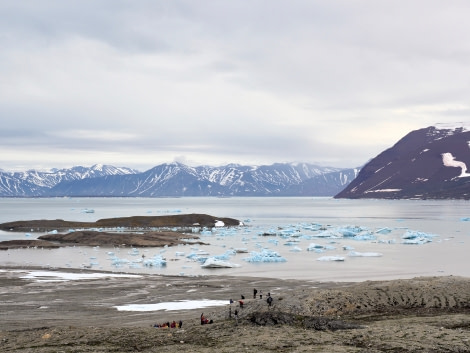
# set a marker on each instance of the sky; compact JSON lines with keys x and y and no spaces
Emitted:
{"x":207,"y":82}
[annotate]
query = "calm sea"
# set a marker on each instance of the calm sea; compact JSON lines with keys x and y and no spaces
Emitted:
{"x":446,"y":223}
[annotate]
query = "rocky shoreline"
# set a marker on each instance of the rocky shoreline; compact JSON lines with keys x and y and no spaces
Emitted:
{"x":136,"y":231}
{"x":429,"y":314}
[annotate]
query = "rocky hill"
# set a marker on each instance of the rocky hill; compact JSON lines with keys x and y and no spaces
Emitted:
{"x":429,"y":163}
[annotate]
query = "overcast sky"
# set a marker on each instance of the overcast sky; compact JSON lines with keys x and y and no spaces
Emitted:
{"x":140,"y":83}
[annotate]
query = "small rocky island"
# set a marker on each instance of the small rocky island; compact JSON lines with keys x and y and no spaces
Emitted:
{"x":136,"y":231}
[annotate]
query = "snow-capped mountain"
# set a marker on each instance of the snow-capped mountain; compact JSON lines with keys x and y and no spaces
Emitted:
{"x":34,"y":183}
{"x":176,"y":180}
{"x":51,"y":178}
{"x":429,"y":163}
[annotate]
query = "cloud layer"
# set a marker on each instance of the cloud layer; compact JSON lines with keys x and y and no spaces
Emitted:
{"x":209,"y":82}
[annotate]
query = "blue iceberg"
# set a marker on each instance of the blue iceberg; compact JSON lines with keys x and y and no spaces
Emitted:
{"x":266,"y":255}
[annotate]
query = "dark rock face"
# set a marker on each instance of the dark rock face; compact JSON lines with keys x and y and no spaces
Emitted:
{"x":429,"y":163}
{"x":309,"y":322}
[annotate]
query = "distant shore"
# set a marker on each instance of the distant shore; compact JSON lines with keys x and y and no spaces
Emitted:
{"x":137,"y":231}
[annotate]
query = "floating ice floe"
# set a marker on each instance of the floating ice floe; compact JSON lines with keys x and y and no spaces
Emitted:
{"x":315,"y":247}
{"x":156,"y":261}
{"x":384,"y":230}
{"x":364,"y":254}
{"x":240,"y":250}
{"x":319,"y":248}
{"x":266,"y":255}
{"x":331,"y":258}
{"x":416,"y":237}
{"x":213,"y":262}
{"x":295,"y":249}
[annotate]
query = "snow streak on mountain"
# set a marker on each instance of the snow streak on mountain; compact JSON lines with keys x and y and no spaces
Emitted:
{"x":177,"y":180}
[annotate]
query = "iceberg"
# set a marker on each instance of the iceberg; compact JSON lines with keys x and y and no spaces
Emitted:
{"x":240,"y":250}
{"x":331,"y":258}
{"x":416,"y":237}
{"x":364,"y":254}
{"x":266,"y":255}
{"x":156,"y":261}
{"x":295,"y":249}
{"x":213,"y":262}
{"x":314,"y":247}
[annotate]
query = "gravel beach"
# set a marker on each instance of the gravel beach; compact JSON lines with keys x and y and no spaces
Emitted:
{"x":426,"y":314}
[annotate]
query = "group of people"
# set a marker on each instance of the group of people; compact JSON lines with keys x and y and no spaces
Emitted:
{"x":168,"y":324}
{"x":205,"y":320}
{"x":269,"y":299}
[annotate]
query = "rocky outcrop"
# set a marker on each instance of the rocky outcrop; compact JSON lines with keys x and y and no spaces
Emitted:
{"x":429,"y":163}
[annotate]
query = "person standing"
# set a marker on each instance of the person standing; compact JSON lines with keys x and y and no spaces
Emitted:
{"x":255,"y":291}
{"x":269,"y":300}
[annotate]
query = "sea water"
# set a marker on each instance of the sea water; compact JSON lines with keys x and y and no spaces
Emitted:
{"x":287,"y":226}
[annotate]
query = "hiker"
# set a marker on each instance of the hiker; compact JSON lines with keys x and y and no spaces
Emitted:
{"x":269,"y":301}
{"x":241,"y":303}
{"x":255,"y":291}
{"x":203,"y":319}
{"x":261,"y":294}
{"x":180,"y":324}
{"x":236,"y":317}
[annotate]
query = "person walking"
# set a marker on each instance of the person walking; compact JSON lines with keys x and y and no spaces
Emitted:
{"x":269,"y":301}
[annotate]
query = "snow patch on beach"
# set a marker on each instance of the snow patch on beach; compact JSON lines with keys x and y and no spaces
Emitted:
{"x":52,"y":276}
{"x":173,"y":306}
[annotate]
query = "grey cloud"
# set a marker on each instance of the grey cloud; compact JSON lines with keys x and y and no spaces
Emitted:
{"x":259,"y":80}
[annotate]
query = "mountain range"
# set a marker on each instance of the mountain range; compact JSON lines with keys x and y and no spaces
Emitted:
{"x":429,"y":163}
{"x":178,"y":180}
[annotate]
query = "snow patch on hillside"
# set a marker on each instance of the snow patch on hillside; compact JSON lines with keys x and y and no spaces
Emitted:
{"x":449,"y":161}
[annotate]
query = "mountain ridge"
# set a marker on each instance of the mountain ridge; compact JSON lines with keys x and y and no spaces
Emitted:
{"x":177,"y":180}
{"x":428,"y":163}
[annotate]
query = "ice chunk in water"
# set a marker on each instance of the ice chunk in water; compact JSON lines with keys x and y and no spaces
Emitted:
{"x":314,"y":247}
{"x":213,"y":262}
{"x":295,"y":249}
{"x":331,"y":258}
{"x":266,"y":255}
{"x":156,"y":261}
{"x":416,"y":237}
{"x":365,"y":254}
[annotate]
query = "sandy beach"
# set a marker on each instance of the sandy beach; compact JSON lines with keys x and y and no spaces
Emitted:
{"x":430,"y":314}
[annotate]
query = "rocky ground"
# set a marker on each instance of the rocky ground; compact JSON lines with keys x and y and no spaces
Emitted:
{"x":417,"y":315}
